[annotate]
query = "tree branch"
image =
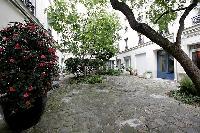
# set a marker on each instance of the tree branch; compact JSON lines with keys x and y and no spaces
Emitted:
{"x":121,"y":6}
{"x":182,"y":19}
{"x":142,"y":27}
{"x":172,"y":10}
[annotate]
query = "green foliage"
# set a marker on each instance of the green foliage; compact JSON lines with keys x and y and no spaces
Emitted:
{"x":152,"y":10}
{"x":187,"y":86}
{"x":111,"y":72}
{"x":28,"y":64}
{"x":159,"y":7}
{"x":91,"y":32}
{"x":185,"y":98}
{"x":101,"y":29}
{"x":91,"y":3}
{"x":73,"y":65}
{"x":92,"y":79}
{"x":187,"y":93}
{"x":61,"y":8}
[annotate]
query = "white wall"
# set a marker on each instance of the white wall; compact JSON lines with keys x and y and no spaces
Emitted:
{"x":150,"y":49}
{"x":130,"y":34}
{"x":9,"y":13}
{"x":41,"y":15}
{"x":151,"y":57}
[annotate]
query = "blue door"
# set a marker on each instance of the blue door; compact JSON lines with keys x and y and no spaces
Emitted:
{"x":165,"y":65}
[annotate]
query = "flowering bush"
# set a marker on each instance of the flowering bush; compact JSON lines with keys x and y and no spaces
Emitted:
{"x":28,"y":63}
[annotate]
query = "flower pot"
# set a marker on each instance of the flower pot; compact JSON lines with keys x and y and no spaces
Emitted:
{"x":148,"y":75}
{"x":131,"y":72}
{"x":22,"y":120}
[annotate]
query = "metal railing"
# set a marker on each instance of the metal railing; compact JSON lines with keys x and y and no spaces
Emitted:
{"x":29,"y":5}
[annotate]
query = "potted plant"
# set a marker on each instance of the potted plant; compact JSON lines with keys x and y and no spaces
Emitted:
{"x":148,"y":74}
{"x":28,"y":64}
{"x":130,"y":70}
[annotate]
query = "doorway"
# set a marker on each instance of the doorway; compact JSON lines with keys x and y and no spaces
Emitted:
{"x":165,"y":65}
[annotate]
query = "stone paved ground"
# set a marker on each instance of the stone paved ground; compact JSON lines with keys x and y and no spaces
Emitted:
{"x":123,"y":104}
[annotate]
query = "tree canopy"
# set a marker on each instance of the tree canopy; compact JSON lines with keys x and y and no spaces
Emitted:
{"x":86,"y":27}
{"x":157,"y":12}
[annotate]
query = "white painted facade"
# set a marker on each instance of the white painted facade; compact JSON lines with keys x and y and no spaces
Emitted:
{"x":143,"y":57}
{"x":17,"y":11}
{"x":9,"y":13}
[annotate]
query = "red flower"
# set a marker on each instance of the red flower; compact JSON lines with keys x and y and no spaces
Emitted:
{"x":1,"y":49}
{"x":46,"y":33}
{"x":12,"y":89}
{"x":43,"y":74}
{"x":12,"y":60}
{"x":42,"y":56}
{"x":26,"y":95}
{"x":30,"y":88}
{"x":42,"y":64}
{"x":31,"y":26}
{"x":51,"y":50}
{"x":17,"y":46}
{"x":15,"y":34}
{"x":4,"y":38}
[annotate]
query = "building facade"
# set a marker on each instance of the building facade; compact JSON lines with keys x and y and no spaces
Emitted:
{"x":20,"y":10}
{"x":144,"y":56}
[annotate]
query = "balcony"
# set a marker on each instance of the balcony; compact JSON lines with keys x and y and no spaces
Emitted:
{"x":196,"y":20}
{"x":29,"y":5}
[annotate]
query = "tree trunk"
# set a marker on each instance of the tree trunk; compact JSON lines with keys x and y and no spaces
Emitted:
{"x":175,"y":50}
{"x":190,"y":68}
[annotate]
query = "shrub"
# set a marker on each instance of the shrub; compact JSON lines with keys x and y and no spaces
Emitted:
{"x":185,"y":98}
{"x":111,"y":72}
{"x":92,"y":79}
{"x":74,"y":65}
{"x":28,"y":63}
{"x":187,"y":86}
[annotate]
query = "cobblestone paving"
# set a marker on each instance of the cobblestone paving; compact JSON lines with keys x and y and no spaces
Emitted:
{"x":123,"y":104}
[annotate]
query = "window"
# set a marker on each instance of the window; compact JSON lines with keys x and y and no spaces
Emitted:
{"x":193,"y":54}
{"x":126,"y":41}
{"x":196,"y":19}
{"x":30,"y":5}
{"x":141,"y":39}
{"x":127,"y":61}
{"x":126,"y":29}
{"x":194,"y":57}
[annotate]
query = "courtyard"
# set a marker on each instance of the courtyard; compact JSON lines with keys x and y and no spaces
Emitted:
{"x":122,"y":104}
